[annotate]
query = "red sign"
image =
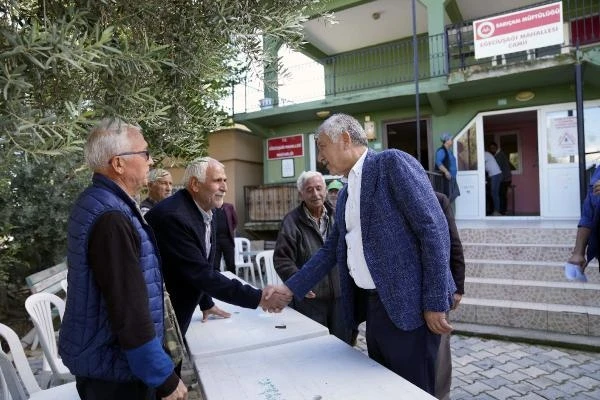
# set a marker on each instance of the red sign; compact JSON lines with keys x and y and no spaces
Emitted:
{"x":285,"y":147}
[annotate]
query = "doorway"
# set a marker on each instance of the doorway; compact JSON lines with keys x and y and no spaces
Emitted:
{"x":516,"y":134}
{"x":402,"y":135}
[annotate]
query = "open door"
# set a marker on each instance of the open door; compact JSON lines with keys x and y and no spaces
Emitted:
{"x":468,"y":204}
{"x":516,"y":134}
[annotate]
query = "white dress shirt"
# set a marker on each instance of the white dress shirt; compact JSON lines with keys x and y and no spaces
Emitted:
{"x":356,"y":255}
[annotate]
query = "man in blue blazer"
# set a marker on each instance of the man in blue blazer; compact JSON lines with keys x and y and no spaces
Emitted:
{"x":391,"y":243}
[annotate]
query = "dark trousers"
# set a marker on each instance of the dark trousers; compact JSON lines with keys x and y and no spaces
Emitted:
{"x":97,"y":389}
{"x":410,"y":354}
{"x":226,"y":248}
{"x":504,"y":185}
{"x":328,"y":313}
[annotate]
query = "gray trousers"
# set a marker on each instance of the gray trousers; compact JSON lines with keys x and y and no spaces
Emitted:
{"x":443,"y":369}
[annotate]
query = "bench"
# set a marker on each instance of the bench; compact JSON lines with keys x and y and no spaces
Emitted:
{"x":48,"y":281}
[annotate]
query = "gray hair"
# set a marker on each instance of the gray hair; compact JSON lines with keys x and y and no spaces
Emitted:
{"x":108,"y":138}
{"x":156,"y":174}
{"x":306,"y":175}
{"x":197,"y":168}
{"x":335,"y":125}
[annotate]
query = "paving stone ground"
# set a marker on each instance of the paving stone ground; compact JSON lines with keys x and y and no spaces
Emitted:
{"x":487,"y":369}
{"x":498,"y":370}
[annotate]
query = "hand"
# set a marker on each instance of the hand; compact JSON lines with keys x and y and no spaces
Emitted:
{"x":216,"y":311}
{"x":310,"y":295}
{"x":436,"y":322}
{"x":447,"y":175}
{"x":180,"y":392}
{"x":275,"y":298}
{"x":457,"y":298}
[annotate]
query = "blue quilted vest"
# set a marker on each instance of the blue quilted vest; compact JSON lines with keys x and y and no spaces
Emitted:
{"x":87,"y":345}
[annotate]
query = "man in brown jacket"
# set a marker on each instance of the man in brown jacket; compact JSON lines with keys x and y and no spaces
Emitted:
{"x":303,"y":232}
{"x":443,"y":368}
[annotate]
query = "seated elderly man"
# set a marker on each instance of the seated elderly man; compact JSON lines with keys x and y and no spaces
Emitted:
{"x":303,"y":232}
{"x":160,"y":186}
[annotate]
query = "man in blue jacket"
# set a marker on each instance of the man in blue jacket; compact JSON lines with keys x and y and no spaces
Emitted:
{"x":112,"y":331}
{"x":391,"y":243}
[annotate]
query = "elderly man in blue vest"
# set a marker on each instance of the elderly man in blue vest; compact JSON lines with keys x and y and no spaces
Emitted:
{"x":112,"y":330}
{"x":391,"y":243}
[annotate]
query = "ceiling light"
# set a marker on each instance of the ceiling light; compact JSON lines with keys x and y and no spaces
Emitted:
{"x":525,"y":95}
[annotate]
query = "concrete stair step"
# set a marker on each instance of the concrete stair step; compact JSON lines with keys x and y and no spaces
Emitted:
{"x":574,"y":293}
{"x":550,"y":271}
{"x":521,"y":252}
{"x":552,"y":318}
{"x":495,"y":235}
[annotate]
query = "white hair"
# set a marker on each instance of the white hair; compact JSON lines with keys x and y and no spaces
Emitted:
{"x":108,"y":138}
{"x":156,"y":174}
{"x":337,"y":124}
{"x":306,"y":175}
{"x":197,"y":168}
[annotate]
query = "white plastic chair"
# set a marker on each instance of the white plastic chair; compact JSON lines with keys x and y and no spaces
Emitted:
{"x":266,"y":258}
{"x":39,"y":308}
{"x":245,"y":261}
{"x":18,"y":388}
{"x":64,"y":285}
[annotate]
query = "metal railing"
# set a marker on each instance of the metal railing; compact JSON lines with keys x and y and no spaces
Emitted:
{"x":270,"y":202}
{"x":437,"y":180}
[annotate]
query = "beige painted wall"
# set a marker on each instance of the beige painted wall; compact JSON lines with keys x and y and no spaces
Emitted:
{"x":242,"y":154}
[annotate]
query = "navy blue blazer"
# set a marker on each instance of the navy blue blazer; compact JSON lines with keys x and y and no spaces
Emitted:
{"x":405,"y":239}
{"x":187,"y":269}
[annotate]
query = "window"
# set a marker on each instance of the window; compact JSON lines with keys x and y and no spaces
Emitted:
{"x":466,"y":150}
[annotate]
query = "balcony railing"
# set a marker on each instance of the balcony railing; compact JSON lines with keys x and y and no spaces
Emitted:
{"x":392,"y":63}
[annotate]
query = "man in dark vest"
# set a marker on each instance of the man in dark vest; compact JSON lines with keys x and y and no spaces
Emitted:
{"x":445,"y":162}
{"x":112,"y":331}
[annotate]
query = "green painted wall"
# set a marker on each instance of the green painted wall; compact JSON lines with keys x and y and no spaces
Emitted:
{"x":459,"y":115}
{"x":462,"y":112}
{"x":272,"y":168}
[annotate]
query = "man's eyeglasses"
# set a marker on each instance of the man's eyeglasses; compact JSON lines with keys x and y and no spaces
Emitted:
{"x":145,"y":153}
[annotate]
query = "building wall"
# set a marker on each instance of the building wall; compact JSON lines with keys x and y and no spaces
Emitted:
{"x":241,"y":153}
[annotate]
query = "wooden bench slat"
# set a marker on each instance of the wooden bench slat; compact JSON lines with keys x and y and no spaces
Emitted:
{"x":47,"y":280}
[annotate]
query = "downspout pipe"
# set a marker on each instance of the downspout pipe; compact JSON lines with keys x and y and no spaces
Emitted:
{"x":416,"y":77}
{"x":583,"y":183}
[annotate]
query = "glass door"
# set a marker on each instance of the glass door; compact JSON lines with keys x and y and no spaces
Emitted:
{"x":559,"y":175}
{"x":471,"y":202}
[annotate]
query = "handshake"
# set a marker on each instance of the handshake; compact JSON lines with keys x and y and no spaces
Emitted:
{"x":275,"y":298}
